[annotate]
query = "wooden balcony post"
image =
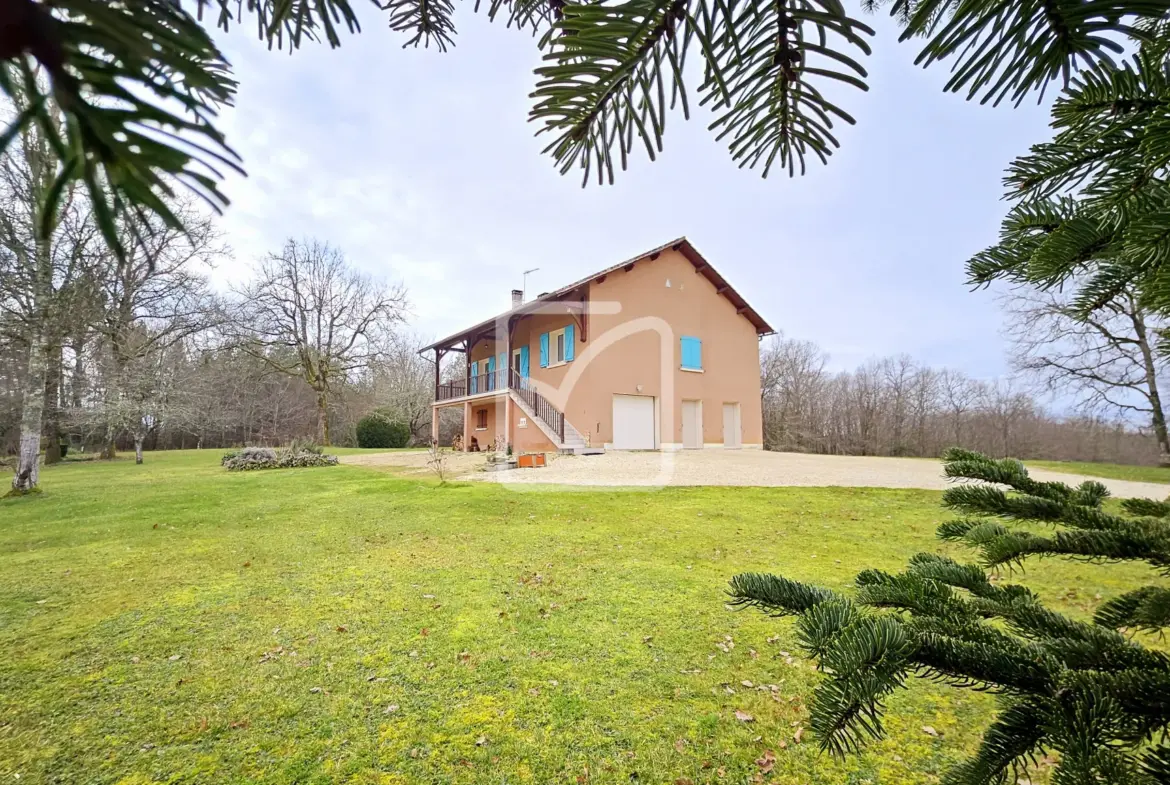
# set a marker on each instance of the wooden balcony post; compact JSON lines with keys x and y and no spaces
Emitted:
{"x":467,"y":366}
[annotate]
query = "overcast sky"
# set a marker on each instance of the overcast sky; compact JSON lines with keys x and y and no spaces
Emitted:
{"x":422,"y":168}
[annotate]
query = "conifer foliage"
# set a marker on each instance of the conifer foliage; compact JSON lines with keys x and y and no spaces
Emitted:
{"x":141,"y":83}
{"x":1086,"y":691}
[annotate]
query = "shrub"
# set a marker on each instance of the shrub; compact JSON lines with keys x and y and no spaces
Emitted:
{"x":248,"y":455}
{"x":378,"y":430}
{"x":304,"y":445}
{"x":252,"y":458}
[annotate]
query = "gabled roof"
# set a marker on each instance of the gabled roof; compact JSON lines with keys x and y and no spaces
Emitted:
{"x":682,"y":245}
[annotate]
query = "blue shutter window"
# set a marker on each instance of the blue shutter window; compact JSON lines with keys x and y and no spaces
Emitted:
{"x":544,"y":350}
{"x":692,"y":353}
{"x":489,"y":370}
{"x":474,"y":378}
{"x":570,"y":340}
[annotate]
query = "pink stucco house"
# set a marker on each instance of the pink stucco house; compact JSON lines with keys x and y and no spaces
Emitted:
{"x":658,"y":352}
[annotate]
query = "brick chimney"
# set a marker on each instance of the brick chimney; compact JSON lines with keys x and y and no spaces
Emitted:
{"x":517,"y":298}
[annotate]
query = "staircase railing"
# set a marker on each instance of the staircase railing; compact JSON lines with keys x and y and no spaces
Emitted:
{"x":494,"y":380}
{"x":539,"y":405}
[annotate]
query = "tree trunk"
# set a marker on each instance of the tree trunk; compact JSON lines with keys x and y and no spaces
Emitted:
{"x":27,"y":470}
{"x":52,"y":413}
{"x":138,"y":439}
{"x":323,"y":418}
{"x":1157,"y":416}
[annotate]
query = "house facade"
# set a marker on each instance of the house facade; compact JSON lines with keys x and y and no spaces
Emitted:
{"x":656,"y":353}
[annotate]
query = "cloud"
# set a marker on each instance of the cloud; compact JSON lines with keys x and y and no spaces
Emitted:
{"x":422,"y":167}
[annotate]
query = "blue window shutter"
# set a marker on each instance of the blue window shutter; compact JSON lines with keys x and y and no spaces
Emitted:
{"x":570,"y":340}
{"x":544,"y":350}
{"x":474,"y":380}
{"x":692,"y":353}
{"x":491,"y":367}
{"x":523,"y":361}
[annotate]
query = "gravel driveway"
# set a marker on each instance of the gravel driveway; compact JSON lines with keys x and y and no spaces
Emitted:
{"x":732,"y":467}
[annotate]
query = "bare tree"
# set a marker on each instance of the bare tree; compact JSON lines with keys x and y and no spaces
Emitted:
{"x":40,"y":268}
{"x":309,"y":314}
{"x":402,"y":384}
{"x":153,"y":298}
{"x":791,"y":377}
{"x":1108,"y":360}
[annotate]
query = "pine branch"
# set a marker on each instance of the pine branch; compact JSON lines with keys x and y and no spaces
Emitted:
{"x":1147,"y":608}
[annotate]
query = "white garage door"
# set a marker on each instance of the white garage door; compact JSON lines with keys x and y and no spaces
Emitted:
{"x":633,"y":422}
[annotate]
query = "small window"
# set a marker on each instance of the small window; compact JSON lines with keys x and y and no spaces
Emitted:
{"x":481,"y":419}
{"x":556,"y":340}
{"x":692,"y":353}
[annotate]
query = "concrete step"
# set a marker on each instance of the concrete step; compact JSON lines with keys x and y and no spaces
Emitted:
{"x":582,"y":450}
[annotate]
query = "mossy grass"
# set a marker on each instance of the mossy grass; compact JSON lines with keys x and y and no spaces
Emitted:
{"x":173,"y":622}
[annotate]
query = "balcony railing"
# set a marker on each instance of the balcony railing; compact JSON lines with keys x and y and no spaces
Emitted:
{"x":479,"y":383}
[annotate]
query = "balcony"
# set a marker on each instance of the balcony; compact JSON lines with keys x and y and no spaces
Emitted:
{"x":497,"y":382}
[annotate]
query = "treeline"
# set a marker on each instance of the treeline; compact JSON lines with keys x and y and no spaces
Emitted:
{"x":216,"y":396}
{"x":897,"y":407}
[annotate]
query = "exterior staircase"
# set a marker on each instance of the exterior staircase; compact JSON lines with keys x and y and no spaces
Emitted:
{"x":551,"y":421}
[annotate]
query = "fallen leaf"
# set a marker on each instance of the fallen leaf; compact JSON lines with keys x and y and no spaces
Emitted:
{"x":247,"y":564}
{"x":929,"y":731}
{"x":155,"y":526}
{"x":464,"y":656}
{"x":482,"y":740}
{"x":680,"y":745}
{"x":393,"y":707}
{"x":797,"y":736}
{"x":135,"y":660}
{"x":175,"y":657}
{"x":767,"y":761}
{"x":414,"y":752}
{"x":721,"y":772}
{"x":743,"y":716}
{"x":753,"y":654}
{"x":314,"y":690}
{"x":238,"y":724}
{"x":342,"y":628}
{"x":203,"y":723}
{"x":412,"y":654}
{"x":705,"y":765}
{"x":684,"y":781}
{"x":747,"y":684}
{"x":428,"y":596}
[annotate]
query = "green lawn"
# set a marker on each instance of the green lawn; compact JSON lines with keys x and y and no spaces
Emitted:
{"x":1114,"y":471}
{"x":174,"y":623}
